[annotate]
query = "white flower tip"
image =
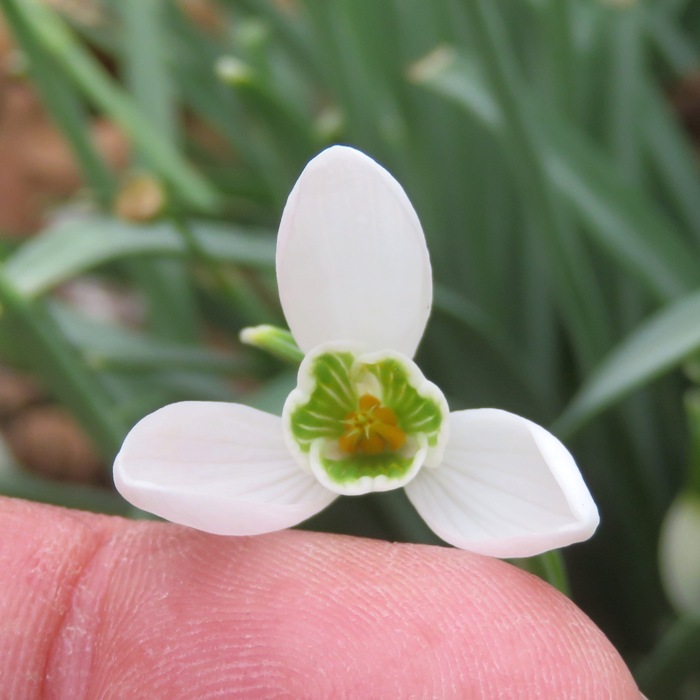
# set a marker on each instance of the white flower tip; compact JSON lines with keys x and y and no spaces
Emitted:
{"x":333,"y":169}
{"x":506,"y":488}
{"x":352,"y":262}
{"x":584,"y":512}
{"x":340,"y":155}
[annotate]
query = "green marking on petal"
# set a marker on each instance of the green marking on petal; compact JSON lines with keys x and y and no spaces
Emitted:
{"x":354,"y":467}
{"x":364,"y":422}
{"x":415,"y":413}
{"x":332,"y":398}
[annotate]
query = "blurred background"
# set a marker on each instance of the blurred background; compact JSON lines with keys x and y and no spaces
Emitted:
{"x":550,"y":149}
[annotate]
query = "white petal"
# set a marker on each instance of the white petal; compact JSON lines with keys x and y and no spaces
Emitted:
{"x":218,"y":467}
{"x":506,"y":488}
{"x":352,"y":263}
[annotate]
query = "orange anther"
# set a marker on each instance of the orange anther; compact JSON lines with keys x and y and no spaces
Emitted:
{"x":371,"y":429}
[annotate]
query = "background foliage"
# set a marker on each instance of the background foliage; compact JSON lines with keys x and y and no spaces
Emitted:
{"x":558,"y":189}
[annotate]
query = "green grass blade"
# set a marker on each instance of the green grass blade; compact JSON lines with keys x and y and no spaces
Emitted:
{"x":110,"y":348}
{"x":59,"y":366}
{"x":676,"y":48}
{"x":550,"y":567}
{"x":655,"y":347}
{"x":672,"y":156}
{"x":578,"y":294}
{"x":72,"y":247}
{"x":145,"y":63}
{"x":65,"y":108}
{"x":17,"y":483}
{"x":617,"y":217}
{"x":104,"y":93}
{"x":146,"y":70}
{"x":675,"y":657}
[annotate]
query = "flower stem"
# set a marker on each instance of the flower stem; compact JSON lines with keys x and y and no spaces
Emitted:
{"x":692,"y":407}
{"x":550,"y":567}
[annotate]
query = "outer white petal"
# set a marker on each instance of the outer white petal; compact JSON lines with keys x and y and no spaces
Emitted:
{"x":506,"y":488}
{"x":352,"y":263}
{"x":218,"y":467}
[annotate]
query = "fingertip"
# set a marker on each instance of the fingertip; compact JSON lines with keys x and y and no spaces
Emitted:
{"x":123,"y":609}
{"x":42,"y":558}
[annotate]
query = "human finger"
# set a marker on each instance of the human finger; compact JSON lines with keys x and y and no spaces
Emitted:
{"x":100,"y":607}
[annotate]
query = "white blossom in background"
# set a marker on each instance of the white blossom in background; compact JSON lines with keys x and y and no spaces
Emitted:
{"x":679,"y":553}
{"x":355,"y":284}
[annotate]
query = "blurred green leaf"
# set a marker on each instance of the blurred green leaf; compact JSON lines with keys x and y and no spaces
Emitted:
{"x":74,"y":246}
{"x":146,"y":65}
{"x":112,"y":348}
{"x":655,"y":347}
{"x":41,"y":23}
{"x":620,"y":220}
{"x":662,"y":673}
{"x":66,"y":108}
{"x":35,"y":334}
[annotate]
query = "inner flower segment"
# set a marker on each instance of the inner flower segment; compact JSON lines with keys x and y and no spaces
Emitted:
{"x":364,"y":422}
{"x":371,"y":429}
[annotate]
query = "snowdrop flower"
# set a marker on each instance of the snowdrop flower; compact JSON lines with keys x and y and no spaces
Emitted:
{"x":679,"y":556}
{"x":355,"y":284}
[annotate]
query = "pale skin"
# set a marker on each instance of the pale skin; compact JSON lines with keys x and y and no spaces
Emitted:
{"x":100,"y":607}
